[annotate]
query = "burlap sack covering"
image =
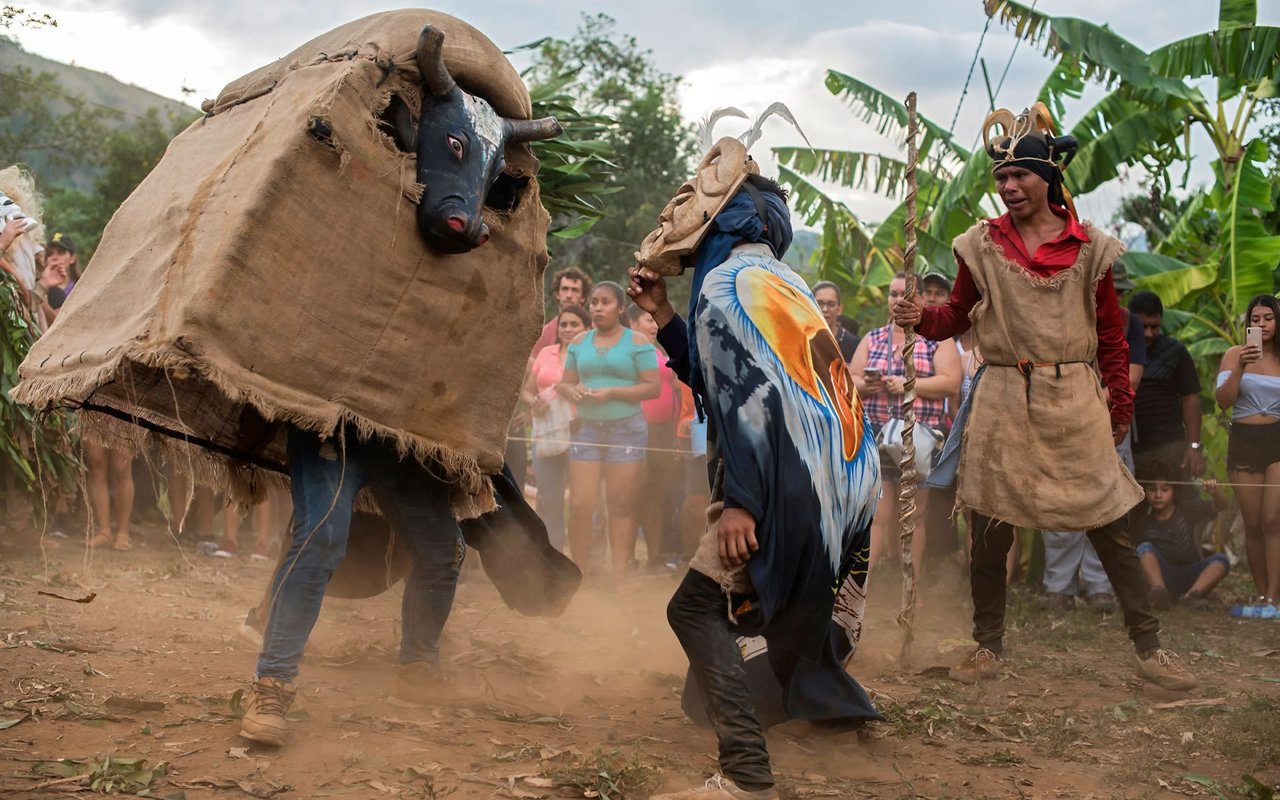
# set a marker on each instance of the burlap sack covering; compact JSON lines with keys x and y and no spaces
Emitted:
{"x":1045,"y":458}
{"x":269,"y":269}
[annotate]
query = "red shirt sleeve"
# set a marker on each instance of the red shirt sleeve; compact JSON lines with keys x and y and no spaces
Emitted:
{"x":1113,"y":351}
{"x":942,"y":322}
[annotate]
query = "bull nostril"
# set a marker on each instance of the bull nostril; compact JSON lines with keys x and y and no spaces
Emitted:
{"x":458,"y":224}
{"x":484,"y":237}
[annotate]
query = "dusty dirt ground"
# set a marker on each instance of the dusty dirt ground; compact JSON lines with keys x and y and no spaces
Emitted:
{"x":587,"y":705}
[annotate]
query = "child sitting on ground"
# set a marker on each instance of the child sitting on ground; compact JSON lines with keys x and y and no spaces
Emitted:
{"x":1168,"y":536}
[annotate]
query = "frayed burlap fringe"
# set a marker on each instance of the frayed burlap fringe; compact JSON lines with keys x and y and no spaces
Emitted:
{"x":1053,"y":281}
{"x":471,"y":494}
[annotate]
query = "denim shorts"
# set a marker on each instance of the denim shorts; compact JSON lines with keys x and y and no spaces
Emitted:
{"x":613,"y":441}
{"x":1178,"y":578}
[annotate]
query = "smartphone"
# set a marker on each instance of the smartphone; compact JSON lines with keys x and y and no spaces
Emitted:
{"x":872,"y":374}
{"x":1253,"y":336}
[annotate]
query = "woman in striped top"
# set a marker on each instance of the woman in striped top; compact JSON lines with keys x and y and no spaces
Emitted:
{"x":877,"y":370}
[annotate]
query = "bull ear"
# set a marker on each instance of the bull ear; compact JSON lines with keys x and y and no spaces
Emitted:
{"x":532,"y":130}
{"x":398,"y":121}
{"x":435,"y":75}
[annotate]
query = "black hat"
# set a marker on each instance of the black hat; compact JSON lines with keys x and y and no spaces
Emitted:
{"x":936,"y":278}
{"x":62,"y":242}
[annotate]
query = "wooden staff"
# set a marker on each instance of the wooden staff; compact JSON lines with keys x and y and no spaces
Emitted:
{"x":910,"y":476}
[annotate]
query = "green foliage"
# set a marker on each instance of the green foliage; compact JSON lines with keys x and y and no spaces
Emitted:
{"x":1249,"y":254}
{"x":19,"y":16}
{"x":125,"y":156}
{"x":575,"y":167}
{"x":35,"y":448}
{"x":45,"y":126}
{"x":615,"y":84}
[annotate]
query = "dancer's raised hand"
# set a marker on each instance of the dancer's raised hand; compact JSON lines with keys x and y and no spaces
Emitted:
{"x":648,"y":290}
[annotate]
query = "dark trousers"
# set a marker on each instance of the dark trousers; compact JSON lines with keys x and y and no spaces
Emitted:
{"x":991,"y":543}
{"x":940,"y":536}
{"x":698,"y":615}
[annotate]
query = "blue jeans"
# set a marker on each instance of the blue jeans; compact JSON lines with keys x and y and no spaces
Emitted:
{"x":1178,"y":578}
{"x":550,"y":473}
{"x":326,"y":475}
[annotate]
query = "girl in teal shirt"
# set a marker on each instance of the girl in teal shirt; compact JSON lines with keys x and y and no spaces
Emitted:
{"x":608,"y":372}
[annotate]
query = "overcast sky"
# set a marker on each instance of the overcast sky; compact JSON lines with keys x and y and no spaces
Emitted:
{"x":746,"y":53}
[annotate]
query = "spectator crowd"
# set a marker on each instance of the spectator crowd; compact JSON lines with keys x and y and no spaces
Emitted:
{"x":613,"y":453}
{"x":619,"y":454}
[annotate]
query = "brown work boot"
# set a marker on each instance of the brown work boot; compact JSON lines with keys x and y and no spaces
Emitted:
{"x":418,"y":684}
{"x":980,"y":665}
{"x":1162,"y":668}
{"x":265,"y":705}
{"x":720,"y":788}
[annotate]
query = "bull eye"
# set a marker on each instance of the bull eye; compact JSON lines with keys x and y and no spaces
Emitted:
{"x":457,"y":146}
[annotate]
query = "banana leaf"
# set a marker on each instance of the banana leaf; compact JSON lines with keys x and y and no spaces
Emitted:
{"x":1169,"y":278}
{"x":1104,"y":55}
{"x":1182,"y":228}
{"x":845,"y":253}
{"x":1065,"y":82}
{"x":889,"y":115}
{"x":1120,"y":131}
{"x":1240,"y":58}
{"x":1249,"y":252}
{"x":853,"y":169}
{"x":1234,"y":13}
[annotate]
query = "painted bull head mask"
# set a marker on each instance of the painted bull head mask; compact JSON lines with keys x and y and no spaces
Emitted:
{"x":459,"y":141}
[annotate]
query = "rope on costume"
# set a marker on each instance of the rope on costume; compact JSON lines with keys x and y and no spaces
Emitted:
{"x":910,"y":475}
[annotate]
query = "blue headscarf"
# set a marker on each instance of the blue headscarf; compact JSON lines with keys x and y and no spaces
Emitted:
{"x":738,"y":222}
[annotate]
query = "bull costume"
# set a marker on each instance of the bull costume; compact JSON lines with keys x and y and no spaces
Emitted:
{"x":283,"y":300}
{"x":792,"y":451}
{"x":1034,"y":443}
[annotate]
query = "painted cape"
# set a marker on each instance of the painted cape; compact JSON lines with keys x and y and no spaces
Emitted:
{"x":798,"y":455}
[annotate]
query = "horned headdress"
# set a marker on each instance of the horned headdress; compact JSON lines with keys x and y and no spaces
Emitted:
{"x":727,"y":165}
{"x":1030,"y":139}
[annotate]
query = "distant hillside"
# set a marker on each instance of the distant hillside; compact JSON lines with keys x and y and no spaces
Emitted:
{"x":96,"y":87}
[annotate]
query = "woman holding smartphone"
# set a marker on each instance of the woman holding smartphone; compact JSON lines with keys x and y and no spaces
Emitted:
{"x":878,"y":373}
{"x":609,"y":371}
{"x":1249,"y":384}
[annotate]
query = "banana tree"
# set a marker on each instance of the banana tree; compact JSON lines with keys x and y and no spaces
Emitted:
{"x":1143,"y":122}
{"x":1243,"y":59}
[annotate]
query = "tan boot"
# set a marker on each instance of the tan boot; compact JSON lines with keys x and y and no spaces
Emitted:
{"x":1163,"y":668}
{"x":265,"y":705}
{"x":980,"y":665}
{"x":720,"y":788}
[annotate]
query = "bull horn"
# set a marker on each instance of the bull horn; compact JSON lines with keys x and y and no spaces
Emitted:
{"x":435,"y":75}
{"x":533,"y":130}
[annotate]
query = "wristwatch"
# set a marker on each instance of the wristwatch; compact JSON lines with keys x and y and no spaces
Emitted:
{"x":1194,"y":445}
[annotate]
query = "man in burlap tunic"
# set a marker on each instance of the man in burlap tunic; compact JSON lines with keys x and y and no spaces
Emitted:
{"x":1037,"y":443}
